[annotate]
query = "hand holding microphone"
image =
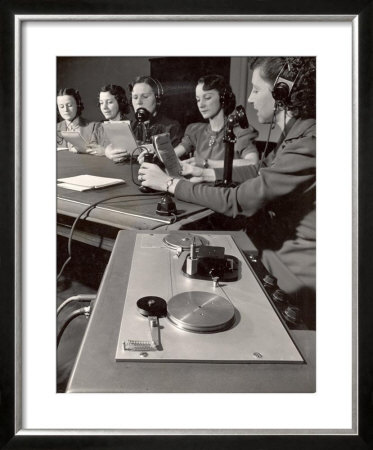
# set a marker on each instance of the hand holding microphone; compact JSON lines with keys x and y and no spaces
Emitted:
{"x":149,"y":149}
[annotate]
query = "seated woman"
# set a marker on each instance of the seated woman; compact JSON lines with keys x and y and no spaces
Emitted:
{"x":282,"y":186}
{"x":114,"y":106}
{"x":70,"y":107}
{"x":113,"y":102}
{"x":215,"y":101}
{"x":147,"y":93}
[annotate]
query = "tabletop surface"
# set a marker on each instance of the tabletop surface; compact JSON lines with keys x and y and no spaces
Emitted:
{"x":96,"y":370}
{"x":135,"y":210}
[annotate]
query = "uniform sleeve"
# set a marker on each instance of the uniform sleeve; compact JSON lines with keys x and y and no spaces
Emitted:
{"x":290,"y":173}
{"x":245,"y":141}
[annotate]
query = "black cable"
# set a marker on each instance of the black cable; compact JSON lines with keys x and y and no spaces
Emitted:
{"x":87,"y":210}
{"x":78,"y":312}
{"x":174,"y":219}
{"x":131,"y":165}
{"x":268,"y":137}
{"x":174,"y":216}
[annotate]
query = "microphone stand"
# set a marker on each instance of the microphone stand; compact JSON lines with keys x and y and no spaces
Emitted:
{"x":229,"y":140}
{"x":143,"y":115}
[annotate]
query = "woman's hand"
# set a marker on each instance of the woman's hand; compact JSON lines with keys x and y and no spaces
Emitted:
{"x":197,"y":174}
{"x":115,"y":154}
{"x":190,"y":170}
{"x":152,"y":176}
{"x":149,"y":149}
{"x":95,"y":149}
{"x":192,"y":161}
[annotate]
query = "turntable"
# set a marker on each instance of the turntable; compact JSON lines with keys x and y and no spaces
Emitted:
{"x":193,"y":297}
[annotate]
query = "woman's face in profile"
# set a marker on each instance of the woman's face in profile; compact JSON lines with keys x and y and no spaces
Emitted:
{"x":143,"y":97}
{"x":208,"y":102}
{"x":261,"y":97}
{"x":67,"y":107}
{"x":109,"y":106}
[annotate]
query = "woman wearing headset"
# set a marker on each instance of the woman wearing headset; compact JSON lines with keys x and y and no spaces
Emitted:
{"x":215,"y":101}
{"x":146,"y":97}
{"x":70,"y":107}
{"x":280,"y":191}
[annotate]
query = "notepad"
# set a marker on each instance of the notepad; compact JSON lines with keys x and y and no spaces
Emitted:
{"x":87,"y":182}
{"x":119,"y":134}
{"x":166,"y":153}
{"x":75,"y":139}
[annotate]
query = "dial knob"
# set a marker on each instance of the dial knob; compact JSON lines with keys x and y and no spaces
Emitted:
{"x":292,"y":314}
{"x":270,"y":280}
{"x":279,"y":296}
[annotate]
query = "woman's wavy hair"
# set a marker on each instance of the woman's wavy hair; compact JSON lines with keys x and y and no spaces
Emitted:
{"x":302,"y":100}
{"x":75,"y":94}
{"x":120,"y":96}
{"x":218,"y":82}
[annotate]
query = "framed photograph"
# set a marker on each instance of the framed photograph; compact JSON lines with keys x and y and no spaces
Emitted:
{"x":43,"y":51}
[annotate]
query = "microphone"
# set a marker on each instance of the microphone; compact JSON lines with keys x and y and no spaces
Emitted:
{"x":238,"y":117}
{"x":142,"y":115}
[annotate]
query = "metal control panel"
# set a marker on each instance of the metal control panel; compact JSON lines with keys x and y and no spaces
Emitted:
{"x":209,"y":318}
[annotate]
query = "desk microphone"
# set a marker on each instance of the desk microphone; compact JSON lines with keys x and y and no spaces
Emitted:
{"x":238,"y":117}
{"x":142,"y":115}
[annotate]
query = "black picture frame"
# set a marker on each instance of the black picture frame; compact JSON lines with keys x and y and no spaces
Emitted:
{"x":363,"y":9}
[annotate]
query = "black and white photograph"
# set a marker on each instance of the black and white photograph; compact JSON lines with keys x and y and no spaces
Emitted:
{"x":187,"y":251}
{"x":186,"y":223}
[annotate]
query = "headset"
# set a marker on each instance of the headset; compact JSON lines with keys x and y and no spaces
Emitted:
{"x":286,"y":80}
{"x":156,"y":84}
{"x":160,"y":92}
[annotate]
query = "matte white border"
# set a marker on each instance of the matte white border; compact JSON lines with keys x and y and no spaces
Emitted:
{"x":327,"y":411}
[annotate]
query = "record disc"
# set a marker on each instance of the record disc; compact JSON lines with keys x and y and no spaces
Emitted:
{"x":152,"y":306}
{"x":179,"y":239}
{"x":201,"y":312}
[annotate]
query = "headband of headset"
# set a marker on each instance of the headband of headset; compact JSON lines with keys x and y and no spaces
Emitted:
{"x":156,"y":83}
{"x":160,"y":91}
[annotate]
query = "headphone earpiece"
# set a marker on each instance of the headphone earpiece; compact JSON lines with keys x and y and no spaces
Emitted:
{"x":284,"y":83}
{"x":160,"y":91}
{"x":281,"y":92}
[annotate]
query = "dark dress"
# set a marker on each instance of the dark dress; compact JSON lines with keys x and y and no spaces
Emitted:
{"x":157,"y":125}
